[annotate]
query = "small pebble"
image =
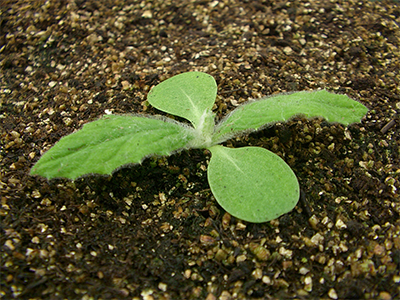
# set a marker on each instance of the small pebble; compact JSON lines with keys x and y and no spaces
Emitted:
{"x":340,"y":224}
{"x":9,"y":245}
{"x":384,"y":296}
{"x":288,"y":50}
{"x":266,"y":280}
{"x":332,"y":294}
{"x":303,"y":270}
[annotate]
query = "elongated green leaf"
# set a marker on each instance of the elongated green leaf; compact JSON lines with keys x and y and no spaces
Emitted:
{"x":111,"y":142}
{"x":188,"y":95}
{"x":252,"y":183}
{"x":282,"y":107}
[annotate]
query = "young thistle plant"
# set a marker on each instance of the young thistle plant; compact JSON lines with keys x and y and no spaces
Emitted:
{"x":251,"y":183}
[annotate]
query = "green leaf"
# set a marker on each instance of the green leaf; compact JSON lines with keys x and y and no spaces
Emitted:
{"x":252,"y":183}
{"x":256,"y":114}
{"x":188,"y":95}
{"x":111,"y":142}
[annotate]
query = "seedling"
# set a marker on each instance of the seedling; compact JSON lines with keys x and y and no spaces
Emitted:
{"x":251,"y":183}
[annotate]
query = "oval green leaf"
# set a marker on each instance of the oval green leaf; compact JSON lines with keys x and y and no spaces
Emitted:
{"x":252,"y":183}
{"x":188,"y":95}
{"x":256,"y":114}
{"x":113,"y":141}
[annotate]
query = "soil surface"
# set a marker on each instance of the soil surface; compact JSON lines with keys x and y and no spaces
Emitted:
{"x":154,"y":231}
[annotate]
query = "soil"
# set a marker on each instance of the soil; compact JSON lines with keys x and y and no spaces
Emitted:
{"x":154,"y":231}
